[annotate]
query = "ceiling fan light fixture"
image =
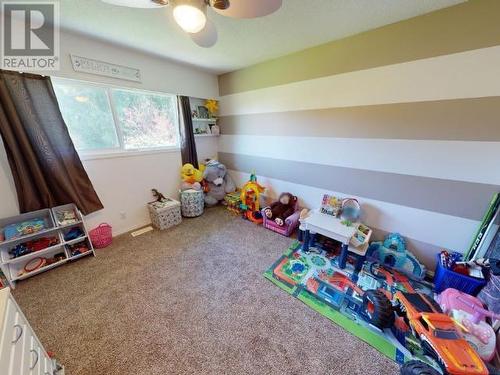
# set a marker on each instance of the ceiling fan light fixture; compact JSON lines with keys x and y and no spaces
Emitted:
{"x":190,"y":15}
{"x":220,"y":4}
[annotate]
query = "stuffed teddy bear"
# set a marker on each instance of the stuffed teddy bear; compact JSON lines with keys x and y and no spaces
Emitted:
{"x":191,"y":177}
{"x":218,"y":182}
{"x":281,"y":209}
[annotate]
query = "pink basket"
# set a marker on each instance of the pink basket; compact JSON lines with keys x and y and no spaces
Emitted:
{"x":101,"y":236}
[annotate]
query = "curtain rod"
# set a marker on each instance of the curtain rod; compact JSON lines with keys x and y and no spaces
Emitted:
{"x":43,"y":75}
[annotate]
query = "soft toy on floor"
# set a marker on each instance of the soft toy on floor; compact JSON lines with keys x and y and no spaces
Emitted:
{"x":281,"y":209}
{"x":218,"y":182}
{"x":191,"y":177}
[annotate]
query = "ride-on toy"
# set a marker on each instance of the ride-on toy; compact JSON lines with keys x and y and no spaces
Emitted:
{"x":420,"y":325}
{"x":438,"y":335}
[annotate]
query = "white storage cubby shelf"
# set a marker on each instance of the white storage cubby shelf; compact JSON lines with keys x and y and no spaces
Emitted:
{"x":201,"y":126}
{"x":12,"y":267}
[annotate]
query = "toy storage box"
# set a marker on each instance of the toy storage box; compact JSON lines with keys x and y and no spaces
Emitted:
{"x":165,"y":214}
{"x":192,"y":202}
{"x":445,"y":278}
{"x":52,"y":228}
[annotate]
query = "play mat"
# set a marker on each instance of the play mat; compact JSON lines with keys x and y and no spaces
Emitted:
{"x":315,"y":279}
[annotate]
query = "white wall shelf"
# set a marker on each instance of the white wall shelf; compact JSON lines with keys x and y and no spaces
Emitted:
{"x":204,"y":119}
{"x":207,"y":145}
{"x":206,"y":135}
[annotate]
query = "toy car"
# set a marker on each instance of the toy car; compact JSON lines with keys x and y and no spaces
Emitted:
{"x":438,"y":335}
{"x":419,"y":316}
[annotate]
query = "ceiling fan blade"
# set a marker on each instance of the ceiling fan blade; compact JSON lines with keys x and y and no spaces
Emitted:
{"x":138,"y":3}
{"x":207,"y":37}
{"x":250,"y":9}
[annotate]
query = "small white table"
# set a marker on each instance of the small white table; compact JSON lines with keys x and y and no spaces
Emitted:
{"x":333,"y":228}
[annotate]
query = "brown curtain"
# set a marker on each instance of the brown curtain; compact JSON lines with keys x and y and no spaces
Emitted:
{"x":46,"y":168}
{"x":188,"y":144}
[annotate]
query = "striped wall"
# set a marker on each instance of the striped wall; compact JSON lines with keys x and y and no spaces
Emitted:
{"x":416,"y":139}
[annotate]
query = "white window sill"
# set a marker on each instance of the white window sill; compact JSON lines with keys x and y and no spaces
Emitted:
{"x":125,"y":154}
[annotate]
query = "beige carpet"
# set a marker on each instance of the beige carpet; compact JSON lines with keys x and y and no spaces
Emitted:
{"x":189,"y":300}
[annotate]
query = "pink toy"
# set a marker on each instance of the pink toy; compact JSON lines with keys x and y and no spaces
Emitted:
{"x":290,"y":224}
{"x":469,"y":313}
{"x":452,"y":299}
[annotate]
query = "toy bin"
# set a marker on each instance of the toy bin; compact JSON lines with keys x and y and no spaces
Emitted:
{"x":101,"y":236}
{"x":192,"y":203}
{"x":77,"y":248}
{"x":67,"y":214}
{"x":445,"y":278}
{"x":165,"y":214}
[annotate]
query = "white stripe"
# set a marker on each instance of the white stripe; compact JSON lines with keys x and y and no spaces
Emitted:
{"x":437,"y":229}
{"x":462,"y":75}
{"x":452,"y":160}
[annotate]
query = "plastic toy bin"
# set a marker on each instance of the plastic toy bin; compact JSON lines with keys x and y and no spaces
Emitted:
{"x":445,"y":278}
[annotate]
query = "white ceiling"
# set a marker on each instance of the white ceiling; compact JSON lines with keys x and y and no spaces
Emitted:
{"x":297,"y":25}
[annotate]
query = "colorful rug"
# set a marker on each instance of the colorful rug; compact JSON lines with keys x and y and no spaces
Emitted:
{"x":315,"y":279}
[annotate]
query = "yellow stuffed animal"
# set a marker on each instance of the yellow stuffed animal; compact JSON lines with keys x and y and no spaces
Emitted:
{"x":191,"y":177}
{"x":213,"y":107}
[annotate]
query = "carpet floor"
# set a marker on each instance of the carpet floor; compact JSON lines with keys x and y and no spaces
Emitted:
{"x":188,"y":300}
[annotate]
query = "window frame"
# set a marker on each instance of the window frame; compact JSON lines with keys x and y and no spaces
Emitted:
{"x":120,"y":151}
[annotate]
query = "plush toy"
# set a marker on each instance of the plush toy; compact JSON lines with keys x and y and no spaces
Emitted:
{"x":213,"y":107}
{"x":218,"y":182}
{"x":191,"y":177}
{"x":282,"y":208}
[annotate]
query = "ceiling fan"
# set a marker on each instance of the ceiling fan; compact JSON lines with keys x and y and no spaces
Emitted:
{"x":191,"y":15}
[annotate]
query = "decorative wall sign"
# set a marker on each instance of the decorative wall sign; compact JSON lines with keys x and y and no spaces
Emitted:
{"x":86,"y":65}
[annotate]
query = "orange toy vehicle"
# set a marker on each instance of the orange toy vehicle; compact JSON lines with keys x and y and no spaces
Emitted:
{"x":438,"y":334}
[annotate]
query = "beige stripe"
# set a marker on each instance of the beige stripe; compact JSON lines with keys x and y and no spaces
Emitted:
{"x":464,"y":27}
{"x":462,"y":119}
{"x":456,"y":198}
{"x":469,"y":74}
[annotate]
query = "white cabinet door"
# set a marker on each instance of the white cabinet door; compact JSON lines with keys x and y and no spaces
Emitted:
{"x":34,"y":367}
{"x":27,"y":357}
{"x":20,"y":351}
{"x":40,"y":359}
{"x":8,"y":336}
{"x":48,"y":369}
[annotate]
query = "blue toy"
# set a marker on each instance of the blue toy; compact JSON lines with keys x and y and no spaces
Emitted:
{"x":393,"y":253}
{"x":24,"y":228}
{"x":73,"y":233}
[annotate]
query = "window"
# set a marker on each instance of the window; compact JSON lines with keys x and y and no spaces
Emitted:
{"x":106,"y":120}
{"x":87,"y":113}
{"x":146,"y":120}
